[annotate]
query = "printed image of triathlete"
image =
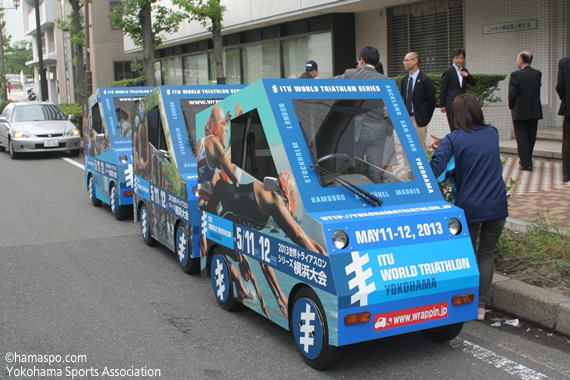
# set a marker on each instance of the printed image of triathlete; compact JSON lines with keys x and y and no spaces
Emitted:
{"x":252,"y":206}
{"x":213,"y":153}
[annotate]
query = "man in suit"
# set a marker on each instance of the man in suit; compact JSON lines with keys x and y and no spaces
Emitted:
{"x":454,"y":81}
{"x":418,"y":93}
{"x":374,"y":140}
{"x":526,"y":109}
{"x":563,"y":90}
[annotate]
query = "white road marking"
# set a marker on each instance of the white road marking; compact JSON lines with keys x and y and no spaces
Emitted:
{"x":80,"y":166}
{"x":496,"y":360}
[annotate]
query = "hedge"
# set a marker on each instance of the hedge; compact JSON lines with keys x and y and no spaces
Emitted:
{"x":484,"y":91}
{"x":134,"y":82}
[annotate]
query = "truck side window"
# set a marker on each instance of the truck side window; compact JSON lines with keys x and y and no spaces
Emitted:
{"x":249,"y":147}
{"x":155,"y":131}
{"x":96,"y":119}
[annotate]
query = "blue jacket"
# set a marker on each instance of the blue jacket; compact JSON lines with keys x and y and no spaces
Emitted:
{"x":477,"y":172}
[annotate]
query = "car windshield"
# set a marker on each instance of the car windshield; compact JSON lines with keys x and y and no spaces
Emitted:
{"x":37,"y":112}
{"x":353,"y":139}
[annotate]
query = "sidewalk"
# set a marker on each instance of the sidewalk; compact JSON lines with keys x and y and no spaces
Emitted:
{"x":540,"y":192}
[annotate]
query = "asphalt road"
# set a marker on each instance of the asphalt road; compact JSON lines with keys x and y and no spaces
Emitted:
{"x":82,"y":287}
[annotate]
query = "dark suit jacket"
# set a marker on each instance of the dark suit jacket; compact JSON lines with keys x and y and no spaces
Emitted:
{"x":423,"y":97}
{"x":449,"y":87}
{"x":563,"y":86}
{"x":365,"y":72}
{"x":524,"y":94}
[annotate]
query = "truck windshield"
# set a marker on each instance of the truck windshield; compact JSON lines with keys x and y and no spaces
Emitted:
{"x":353,"y":139}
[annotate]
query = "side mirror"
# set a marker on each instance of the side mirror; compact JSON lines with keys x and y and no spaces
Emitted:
{"x":163,"y":154}
{"x":272,"y":184}
{"x":2,"y":118}
{"x":100,"y":137}
{"x":71,"y":117}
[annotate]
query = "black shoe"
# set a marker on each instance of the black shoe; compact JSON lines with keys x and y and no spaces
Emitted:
{"x":525,"y":169}
{"x":566,"y":178}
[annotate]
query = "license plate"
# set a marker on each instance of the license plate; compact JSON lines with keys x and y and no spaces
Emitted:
{"x":51,"y":143}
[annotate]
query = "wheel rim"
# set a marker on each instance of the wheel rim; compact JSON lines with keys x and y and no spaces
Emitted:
{"x":114,"y":199}
{"x":182,"y":245}
{"x":220,"y":277}
{"x":145,"y":224}
{"x":308,"y":328}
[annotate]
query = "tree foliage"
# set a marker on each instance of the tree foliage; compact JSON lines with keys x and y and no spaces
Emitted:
{"x":16,"y":57}
{"x":210,"y":13}
{"x":127,"y":15}
{"x":143,"y":21}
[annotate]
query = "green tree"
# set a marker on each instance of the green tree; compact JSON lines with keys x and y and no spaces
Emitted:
{"x":143,"y":21}
{"x":16,"y":57}
{"x":73,"y":25}
{"x":210,"y":13}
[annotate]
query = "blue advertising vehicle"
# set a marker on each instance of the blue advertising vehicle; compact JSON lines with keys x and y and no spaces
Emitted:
{"x":108,"y":147}
{"x":322,"y":214}
{"x":165,"y":166}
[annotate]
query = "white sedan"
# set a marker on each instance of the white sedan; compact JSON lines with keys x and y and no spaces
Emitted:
{"x":37,"y":127}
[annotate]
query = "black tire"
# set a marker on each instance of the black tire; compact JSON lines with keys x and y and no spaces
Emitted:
{"x":145,"y":226}
{"x":74,"y":152}
{"x":94,"y":200}
{"x":13,"y":154}
{"x":222,"y":283}
{"x":120,"y":212}
{"x":2,"y":148}
{"x":183,"y":250}
{"x":443,"y":334}
{"x":312,"y":343}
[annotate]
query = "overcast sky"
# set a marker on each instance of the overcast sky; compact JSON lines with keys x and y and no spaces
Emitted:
{"x":14,"y":21}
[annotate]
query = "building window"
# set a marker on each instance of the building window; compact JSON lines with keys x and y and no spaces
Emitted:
{"x":297,"y":51}
{"x":196,"y":69}
{"x":113,"y":5}
{"x":432,"y":28}
{"x":172,"y":70}
{"x":123,"y":70}
{"x":263,"y":61}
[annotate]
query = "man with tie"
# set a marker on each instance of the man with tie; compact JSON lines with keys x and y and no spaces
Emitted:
{"x":526,"y":109}
{"x":454,"y":81}
{"x":418,"y":92}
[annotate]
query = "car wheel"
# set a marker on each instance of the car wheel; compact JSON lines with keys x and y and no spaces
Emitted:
{"x":443,"y":334}
{"x":310,"y":330}
{"x":13,"y":154}
{"x":220,"y":276}
{"x":144,"y":221}
{"x":183,"y":246}
{"x":2,"y":148}
{"x":119,"y":211}
{"x":92,"y":193}
{"x":74,"y":152}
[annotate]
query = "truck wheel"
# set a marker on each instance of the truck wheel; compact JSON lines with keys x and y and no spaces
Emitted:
{"x":443,"y":334}
{"x":144,"y":221}
{"x":222,"y":282}
{"x":189,"y":264}
{"x":94,"y":200}
{"x":310,"y":330}
{"x":119,"y":211}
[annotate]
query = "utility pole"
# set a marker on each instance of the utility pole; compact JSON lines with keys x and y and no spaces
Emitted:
{"x":43,"y":79}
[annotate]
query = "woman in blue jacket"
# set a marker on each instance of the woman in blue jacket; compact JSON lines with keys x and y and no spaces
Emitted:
{"x":469,"y":157}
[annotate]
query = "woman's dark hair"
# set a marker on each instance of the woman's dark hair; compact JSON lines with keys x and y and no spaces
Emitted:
{"x":466,"y":113}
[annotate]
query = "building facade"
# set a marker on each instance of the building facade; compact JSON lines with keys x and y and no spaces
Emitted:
{"x":274,"y":38}
{"x":108,"y":60}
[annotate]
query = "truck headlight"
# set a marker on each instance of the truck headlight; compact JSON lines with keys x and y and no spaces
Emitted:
{"x":340,"y":239}
{"x":454,"y":226}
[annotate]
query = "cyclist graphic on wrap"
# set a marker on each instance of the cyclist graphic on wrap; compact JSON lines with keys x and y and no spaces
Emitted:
{"x":251,"y":205}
